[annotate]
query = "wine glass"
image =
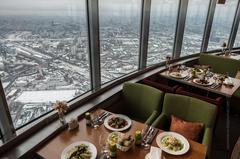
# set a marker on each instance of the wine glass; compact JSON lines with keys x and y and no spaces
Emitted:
{"x":168,"y":59}
{"x":103,"y":143}
{"x":96,"y":122}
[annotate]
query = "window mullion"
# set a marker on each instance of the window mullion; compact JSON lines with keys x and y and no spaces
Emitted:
{"x":146,"y":9}
{"x":182,"y":13}
{"x":6,"y":124}
{"x":94,"y":47}
{"x":235,"y":26}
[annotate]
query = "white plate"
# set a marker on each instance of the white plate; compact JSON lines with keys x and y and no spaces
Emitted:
{"x":148,"y":156}
{"x":201,"y":84}
{"x":184,"y":141}
{"x":92,"y":148}
{"x":120,"y":116}
{"x":119,"y":134}
{"x":175,"y":75}
{"x":228,"y":82}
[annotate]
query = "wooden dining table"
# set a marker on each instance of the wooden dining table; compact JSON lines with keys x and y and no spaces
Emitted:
{"x":232,"y":56}
{"x":223,"y":90}
{"x":54,"y":147}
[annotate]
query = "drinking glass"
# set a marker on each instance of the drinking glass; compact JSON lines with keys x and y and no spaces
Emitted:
{"x":96,"y":119}
{"x":103,"y":143}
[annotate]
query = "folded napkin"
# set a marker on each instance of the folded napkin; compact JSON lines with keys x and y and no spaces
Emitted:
{"x":155,"y":153}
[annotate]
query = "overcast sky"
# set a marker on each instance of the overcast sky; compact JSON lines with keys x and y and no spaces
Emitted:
{"x":65,"y":7}
{"x":41,"y":7}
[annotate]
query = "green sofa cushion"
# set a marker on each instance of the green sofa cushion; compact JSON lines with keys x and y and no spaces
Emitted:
{"x":141,"y":100}
{"x":220,"y":64}
{"x":190,"y":109}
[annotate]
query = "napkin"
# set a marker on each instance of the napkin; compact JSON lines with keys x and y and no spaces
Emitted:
{"x":228,"y":81}
{"x":155,"y":153}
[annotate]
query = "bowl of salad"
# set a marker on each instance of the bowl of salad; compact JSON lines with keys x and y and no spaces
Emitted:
{"x":80,"y":150}
{"x":117,"y":122}
{"x":173,"y":143}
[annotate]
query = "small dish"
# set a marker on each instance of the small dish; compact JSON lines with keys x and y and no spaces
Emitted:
{"x":124,"y":117}
{"x":184,"y":143}
{"x":178,"y":75}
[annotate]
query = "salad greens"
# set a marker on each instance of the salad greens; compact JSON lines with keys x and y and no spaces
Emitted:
{"x":172,"y":143}
{"x":80,"y":152}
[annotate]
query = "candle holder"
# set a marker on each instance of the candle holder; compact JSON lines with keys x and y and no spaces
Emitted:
{"x":168,"y":60}
{"x":61,"y":107}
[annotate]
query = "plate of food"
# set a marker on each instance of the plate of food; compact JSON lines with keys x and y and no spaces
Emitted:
{"x":173,"y":143}
{"x":117,"y":122}
{"x":202,"y":82}
{"x":124,"y":142}
{"x":114,"y":137}
{"x":178,"y":75}
{"x":80,"y":150}
{"x":198,"y":71}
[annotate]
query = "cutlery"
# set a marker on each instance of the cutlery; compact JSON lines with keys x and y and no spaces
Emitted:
{"x":214,"y":85}
{"x":150,"y":136}
{"x":146,"y":134}
{"x":99,"y":120}
{"x":217,"y":86}
{"x":104,"y":117}
{"x":100,"y":116}
{"x":145,"y":138}
{"x":154,"y":133}
{"x":187,"y":78}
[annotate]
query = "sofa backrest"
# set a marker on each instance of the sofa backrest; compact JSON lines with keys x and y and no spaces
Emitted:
{"x":189,"y":109}
{"x":220,"y":64}
{"x":141,"y":100}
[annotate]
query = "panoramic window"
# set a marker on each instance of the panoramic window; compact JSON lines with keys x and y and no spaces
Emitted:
{"x":119,"y":37}
{"x":162,"y":28}
{"x":222,"y":24}
{"x":194,"y":27}
{"x":237,"y":40}
{"x":44,"y":55}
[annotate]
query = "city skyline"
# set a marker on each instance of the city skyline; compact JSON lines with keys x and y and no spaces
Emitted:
{"x":48,"y":55}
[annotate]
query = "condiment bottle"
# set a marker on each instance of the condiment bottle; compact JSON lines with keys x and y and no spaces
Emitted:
{"x":88,"y":119}
{"x":113,"y":149}
{"x":138,"y":137}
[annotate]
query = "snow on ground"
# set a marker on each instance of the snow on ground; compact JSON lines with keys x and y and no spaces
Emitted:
{"x":45,"y":96}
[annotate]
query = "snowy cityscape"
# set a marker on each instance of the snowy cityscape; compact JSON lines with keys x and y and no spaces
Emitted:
{"x":46,"y":58}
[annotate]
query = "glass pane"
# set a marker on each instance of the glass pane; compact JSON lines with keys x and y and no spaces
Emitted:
{"x":222,"y":24}
{"x":43,"y":55}
{"x":162,"y":29}
{"x":119,"y":37}
{"x":194,"y":27}
{"x":237,"y":40}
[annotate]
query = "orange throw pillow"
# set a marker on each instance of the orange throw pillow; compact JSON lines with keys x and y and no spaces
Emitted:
{"x":190,"y":130}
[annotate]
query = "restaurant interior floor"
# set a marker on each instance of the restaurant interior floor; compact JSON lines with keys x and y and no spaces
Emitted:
{"x":219,"y":139}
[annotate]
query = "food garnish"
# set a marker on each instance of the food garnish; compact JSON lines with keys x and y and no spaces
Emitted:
{"x":126,"y":141}
{"x":172,"y":143}
{"x":80,"y":152}
{"x":117,"y":122}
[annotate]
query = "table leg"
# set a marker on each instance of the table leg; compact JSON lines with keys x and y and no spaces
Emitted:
{"x":228,"y":122}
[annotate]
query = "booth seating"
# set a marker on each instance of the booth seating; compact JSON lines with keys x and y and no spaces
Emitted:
{"x":218,"y":101}
{"x":220,"y":64}
{"x":189,"y":109}
{"x":223,"y":65}
{"x":153,"y":82}
{"x":141,"y":102}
